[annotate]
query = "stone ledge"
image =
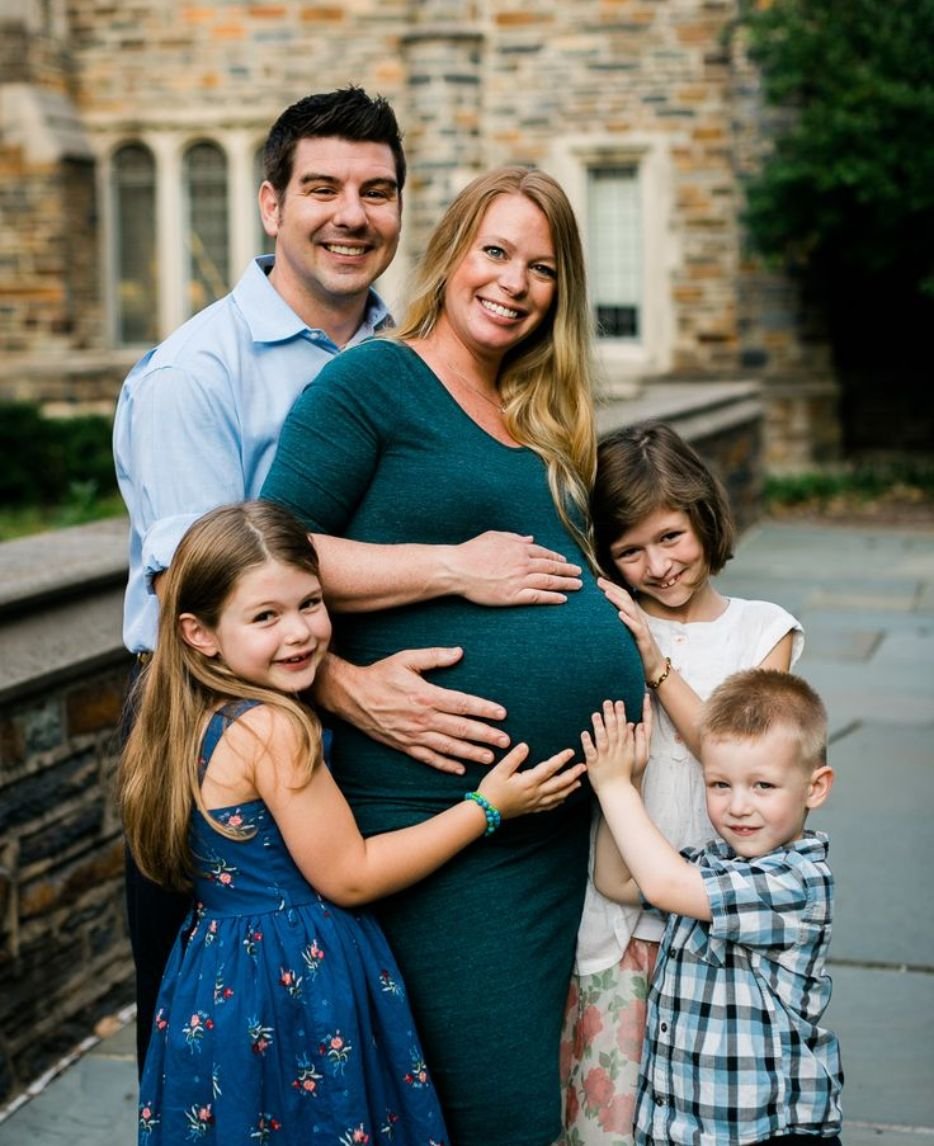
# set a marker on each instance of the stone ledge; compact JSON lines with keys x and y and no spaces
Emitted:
{"x":694,"y":409}
{"x":47,"y":567}
{"x":61,"y":643}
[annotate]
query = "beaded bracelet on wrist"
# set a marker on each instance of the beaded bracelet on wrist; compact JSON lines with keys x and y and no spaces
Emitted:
{"x":493,"y":818}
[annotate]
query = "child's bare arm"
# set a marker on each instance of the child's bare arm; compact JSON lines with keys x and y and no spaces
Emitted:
{"x":612,"y":754}
{"x":611,"y":877}
{"x":322,"y":836}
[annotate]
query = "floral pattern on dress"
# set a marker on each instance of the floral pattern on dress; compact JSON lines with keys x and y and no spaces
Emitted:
{"x":307,"y":1079}
{"x":200,"y":1119}
{"x":196,"y":1027}
{"x":390,"y":985}
{"x":279,"y":1013}
{"x":148,"y":1119}
{"x":336,"y":1050}
{"x":601,"y":1049}
{"x":260,"y":1036}
{"x":265,"y":1126}
{"x":417,"y":1076}
{"x":354,"y":1136}
{"x":313,"y":956}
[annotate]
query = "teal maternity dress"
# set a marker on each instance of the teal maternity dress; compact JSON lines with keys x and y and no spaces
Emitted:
{"x":376,"y":449}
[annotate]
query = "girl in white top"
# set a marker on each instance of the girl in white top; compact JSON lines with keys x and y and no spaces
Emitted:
{"x":663,"y":527}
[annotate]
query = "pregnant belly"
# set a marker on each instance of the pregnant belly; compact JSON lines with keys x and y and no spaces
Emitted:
{"x":549,"y":666}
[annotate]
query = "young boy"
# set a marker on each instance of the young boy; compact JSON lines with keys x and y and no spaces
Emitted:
{"x":733,"y":1053}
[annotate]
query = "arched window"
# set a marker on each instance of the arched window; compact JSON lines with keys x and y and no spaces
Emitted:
{"x":134,"y":192}
{"x":206,"y":236}
{"x":265,"y":244}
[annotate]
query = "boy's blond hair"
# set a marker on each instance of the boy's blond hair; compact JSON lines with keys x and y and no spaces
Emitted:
{"x":749,"y":704}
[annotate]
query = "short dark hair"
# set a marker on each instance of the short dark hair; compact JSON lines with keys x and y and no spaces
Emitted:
{"x":646,"y":467}
{"x":348,"y":113}
{"x":749,"y":704}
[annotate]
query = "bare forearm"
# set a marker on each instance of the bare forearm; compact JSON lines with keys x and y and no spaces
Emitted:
{"x":665,"y":879}
{"x":362,"y":577}
{"x":684,"y":707}
{"x":612,"y":877}
{"x":395,"y":860}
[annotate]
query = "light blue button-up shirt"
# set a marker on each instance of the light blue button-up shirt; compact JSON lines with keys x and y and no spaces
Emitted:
{"x":198,"y":419}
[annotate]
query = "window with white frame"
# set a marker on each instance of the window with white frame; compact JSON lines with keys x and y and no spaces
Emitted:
{"x":204,"y":178}
{"x":615,"y":250}
{"x":134,"y":196}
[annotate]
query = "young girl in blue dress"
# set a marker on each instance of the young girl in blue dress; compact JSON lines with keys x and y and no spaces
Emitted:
{"x":663,"y":528}
{"x":282,"y":1017}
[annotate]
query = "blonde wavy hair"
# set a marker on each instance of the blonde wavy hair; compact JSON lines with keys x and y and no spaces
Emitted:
{"x":158,"y":785}
{"x":546,"y":382}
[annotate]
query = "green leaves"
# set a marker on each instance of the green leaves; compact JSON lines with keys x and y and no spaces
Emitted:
{"x":849,"y":183}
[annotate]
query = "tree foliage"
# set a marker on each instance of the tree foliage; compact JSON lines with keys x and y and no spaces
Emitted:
{"x":849,"y":186}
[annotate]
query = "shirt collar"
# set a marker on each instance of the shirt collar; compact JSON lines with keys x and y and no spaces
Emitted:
{"x":271,"y":319}
{"x":814,"y":845}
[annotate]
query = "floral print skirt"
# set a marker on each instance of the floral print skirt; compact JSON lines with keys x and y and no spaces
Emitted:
{"x":601,"y":1047}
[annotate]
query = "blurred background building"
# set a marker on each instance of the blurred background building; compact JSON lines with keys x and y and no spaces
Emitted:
{"x":130,"y":155}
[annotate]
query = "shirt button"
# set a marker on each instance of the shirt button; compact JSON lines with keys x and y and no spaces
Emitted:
{"x":659,"y":1101}
{"x":664,"y":1027}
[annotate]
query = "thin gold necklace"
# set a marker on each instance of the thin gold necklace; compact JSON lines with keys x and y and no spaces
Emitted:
{"x":499,"y":405}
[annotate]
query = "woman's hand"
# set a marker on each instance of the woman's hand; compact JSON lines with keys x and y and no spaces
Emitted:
{"x":537,"y":789}
{"x":508,"y":569}
{"x":618,"y":749}
{"x":653,"y":663}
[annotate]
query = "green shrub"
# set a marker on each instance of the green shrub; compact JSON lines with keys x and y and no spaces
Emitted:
{"x":861,"y":482}
{"x":44,"y":458}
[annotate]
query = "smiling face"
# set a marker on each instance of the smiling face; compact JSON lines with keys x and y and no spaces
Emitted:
{"x":758,"y":790}
{"x":273,"y":629}
{"x":663,"y":560}
{"x":336,"y":225}
{"x":505,"y":285}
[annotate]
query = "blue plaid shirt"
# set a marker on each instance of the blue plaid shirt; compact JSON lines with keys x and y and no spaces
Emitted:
{"x":734,"y":1052}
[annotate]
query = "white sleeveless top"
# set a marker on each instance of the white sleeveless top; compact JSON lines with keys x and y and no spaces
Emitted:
{"x":705,"y":653}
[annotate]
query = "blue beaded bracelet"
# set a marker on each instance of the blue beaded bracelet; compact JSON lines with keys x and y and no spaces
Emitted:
{"x":493,"y":818}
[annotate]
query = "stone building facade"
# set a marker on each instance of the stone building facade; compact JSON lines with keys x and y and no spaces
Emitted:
{"x":129,"y":135}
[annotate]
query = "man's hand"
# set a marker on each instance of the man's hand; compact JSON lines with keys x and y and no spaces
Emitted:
{"x":509,"y":569}
{"x":391,"y":702}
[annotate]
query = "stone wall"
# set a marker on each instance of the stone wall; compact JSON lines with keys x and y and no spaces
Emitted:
{"x":64,"y":955}
{"x":64,"y":951}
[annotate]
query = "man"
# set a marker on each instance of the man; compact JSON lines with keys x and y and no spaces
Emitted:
{"x":198,"y":419}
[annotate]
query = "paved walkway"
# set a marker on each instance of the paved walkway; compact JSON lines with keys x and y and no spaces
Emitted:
{"x":866,"y":598}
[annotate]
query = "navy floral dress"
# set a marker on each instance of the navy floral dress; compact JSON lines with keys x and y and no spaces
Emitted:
{"x":282,"y":1018}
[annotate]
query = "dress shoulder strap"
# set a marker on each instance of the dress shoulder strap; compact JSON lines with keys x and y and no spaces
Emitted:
{"x":217,"y":726}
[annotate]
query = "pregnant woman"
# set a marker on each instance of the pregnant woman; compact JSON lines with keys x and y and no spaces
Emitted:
{"x":476,"y":417}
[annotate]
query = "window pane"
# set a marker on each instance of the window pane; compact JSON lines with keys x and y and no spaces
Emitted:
{"x":134,"y":192}
{"x":615,"y":250}
{"x":265,"y":244}
{"x":205,"y":175}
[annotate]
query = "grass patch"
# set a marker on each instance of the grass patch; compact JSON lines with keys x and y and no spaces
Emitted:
{"x":83,"y":504}
{"x":863,"y":488}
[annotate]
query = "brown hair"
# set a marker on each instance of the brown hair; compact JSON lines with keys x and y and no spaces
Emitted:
{"x":348,"y":113}
{"x":751,"y":703}
{"x":647,"y":467}
{"x":158,"y":782}
{"x":546,"y":382}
